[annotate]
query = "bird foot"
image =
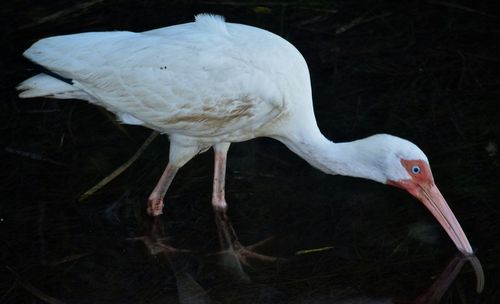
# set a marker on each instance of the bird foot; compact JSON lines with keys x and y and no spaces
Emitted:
{"x":230,"y":244}
{"x":244,"y":253}
{"x":155,"y":240}
{"x":155,"y":206}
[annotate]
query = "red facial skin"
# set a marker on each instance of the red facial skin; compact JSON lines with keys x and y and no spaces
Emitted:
{"x":421,"y":185}
{"x":412,"y":185}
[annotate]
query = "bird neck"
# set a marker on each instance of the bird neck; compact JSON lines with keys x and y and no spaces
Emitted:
{"x":347,"y":158}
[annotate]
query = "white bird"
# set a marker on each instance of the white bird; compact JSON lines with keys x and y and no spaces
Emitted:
{"x":210,"y":83}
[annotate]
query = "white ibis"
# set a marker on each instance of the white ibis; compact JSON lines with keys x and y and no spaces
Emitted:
{"x":210,"y":83}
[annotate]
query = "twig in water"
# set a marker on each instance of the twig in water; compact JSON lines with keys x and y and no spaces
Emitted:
{"x":70,"y":258}
{"x":461,"y":7}
{"x":350,"y":25}
{"x":33,"y":290}
{"x":32,"y":156}
{"x":62,"y":13}
{"x":120,"y":169}
{"x":360,"y":20}
{"x":314,"y":250}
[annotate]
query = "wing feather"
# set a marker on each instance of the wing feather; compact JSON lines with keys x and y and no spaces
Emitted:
{"x":199,"y":84}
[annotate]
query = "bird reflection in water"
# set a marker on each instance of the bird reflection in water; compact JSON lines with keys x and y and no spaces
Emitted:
{"x":231,"y":256}
{"x":234,"y":259}
{"x":232,"y":248}
{"x":155,"y":240}
{"x":441,"y":285}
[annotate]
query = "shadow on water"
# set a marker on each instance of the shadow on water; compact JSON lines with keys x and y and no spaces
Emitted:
{"x":422,"y":70}
{"x":128,"y":257}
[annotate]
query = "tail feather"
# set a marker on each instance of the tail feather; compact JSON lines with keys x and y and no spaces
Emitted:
{"x":43,"y":85}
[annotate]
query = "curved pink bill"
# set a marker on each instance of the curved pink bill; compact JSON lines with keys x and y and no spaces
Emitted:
{"x":435,"y":202}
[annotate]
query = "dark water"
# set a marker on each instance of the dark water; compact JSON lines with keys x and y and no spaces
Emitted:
{"x":423,"y":70}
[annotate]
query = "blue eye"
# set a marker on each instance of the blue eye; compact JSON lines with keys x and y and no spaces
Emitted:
{"x":415,"y":169}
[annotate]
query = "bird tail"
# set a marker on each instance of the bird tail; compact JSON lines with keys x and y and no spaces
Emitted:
{"x":43,"y":85}
{"x":54,"y":80}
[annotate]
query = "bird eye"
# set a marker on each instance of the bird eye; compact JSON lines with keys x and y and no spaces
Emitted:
{"x":415,"y":169}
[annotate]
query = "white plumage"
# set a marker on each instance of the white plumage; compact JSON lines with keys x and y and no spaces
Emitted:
{"x":210,"y":83}
{"x":211,"y":73}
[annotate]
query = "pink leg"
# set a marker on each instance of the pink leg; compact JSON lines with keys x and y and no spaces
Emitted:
{"x":218,"y":193}
{"x":179,"y":155}
{"x":155,"y":201}
{"x":227,"y":236}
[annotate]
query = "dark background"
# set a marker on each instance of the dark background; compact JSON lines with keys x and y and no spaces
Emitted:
{"x":423,"y":70}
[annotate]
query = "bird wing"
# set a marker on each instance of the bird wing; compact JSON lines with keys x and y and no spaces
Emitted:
{"x":180,"y":79}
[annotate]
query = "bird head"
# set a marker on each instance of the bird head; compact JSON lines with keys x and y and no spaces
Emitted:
{"x":402,"y":164}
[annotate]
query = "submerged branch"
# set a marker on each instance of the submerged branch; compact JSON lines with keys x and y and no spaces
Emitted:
{"x":120,"y":169}
{"x":33,"y":290}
